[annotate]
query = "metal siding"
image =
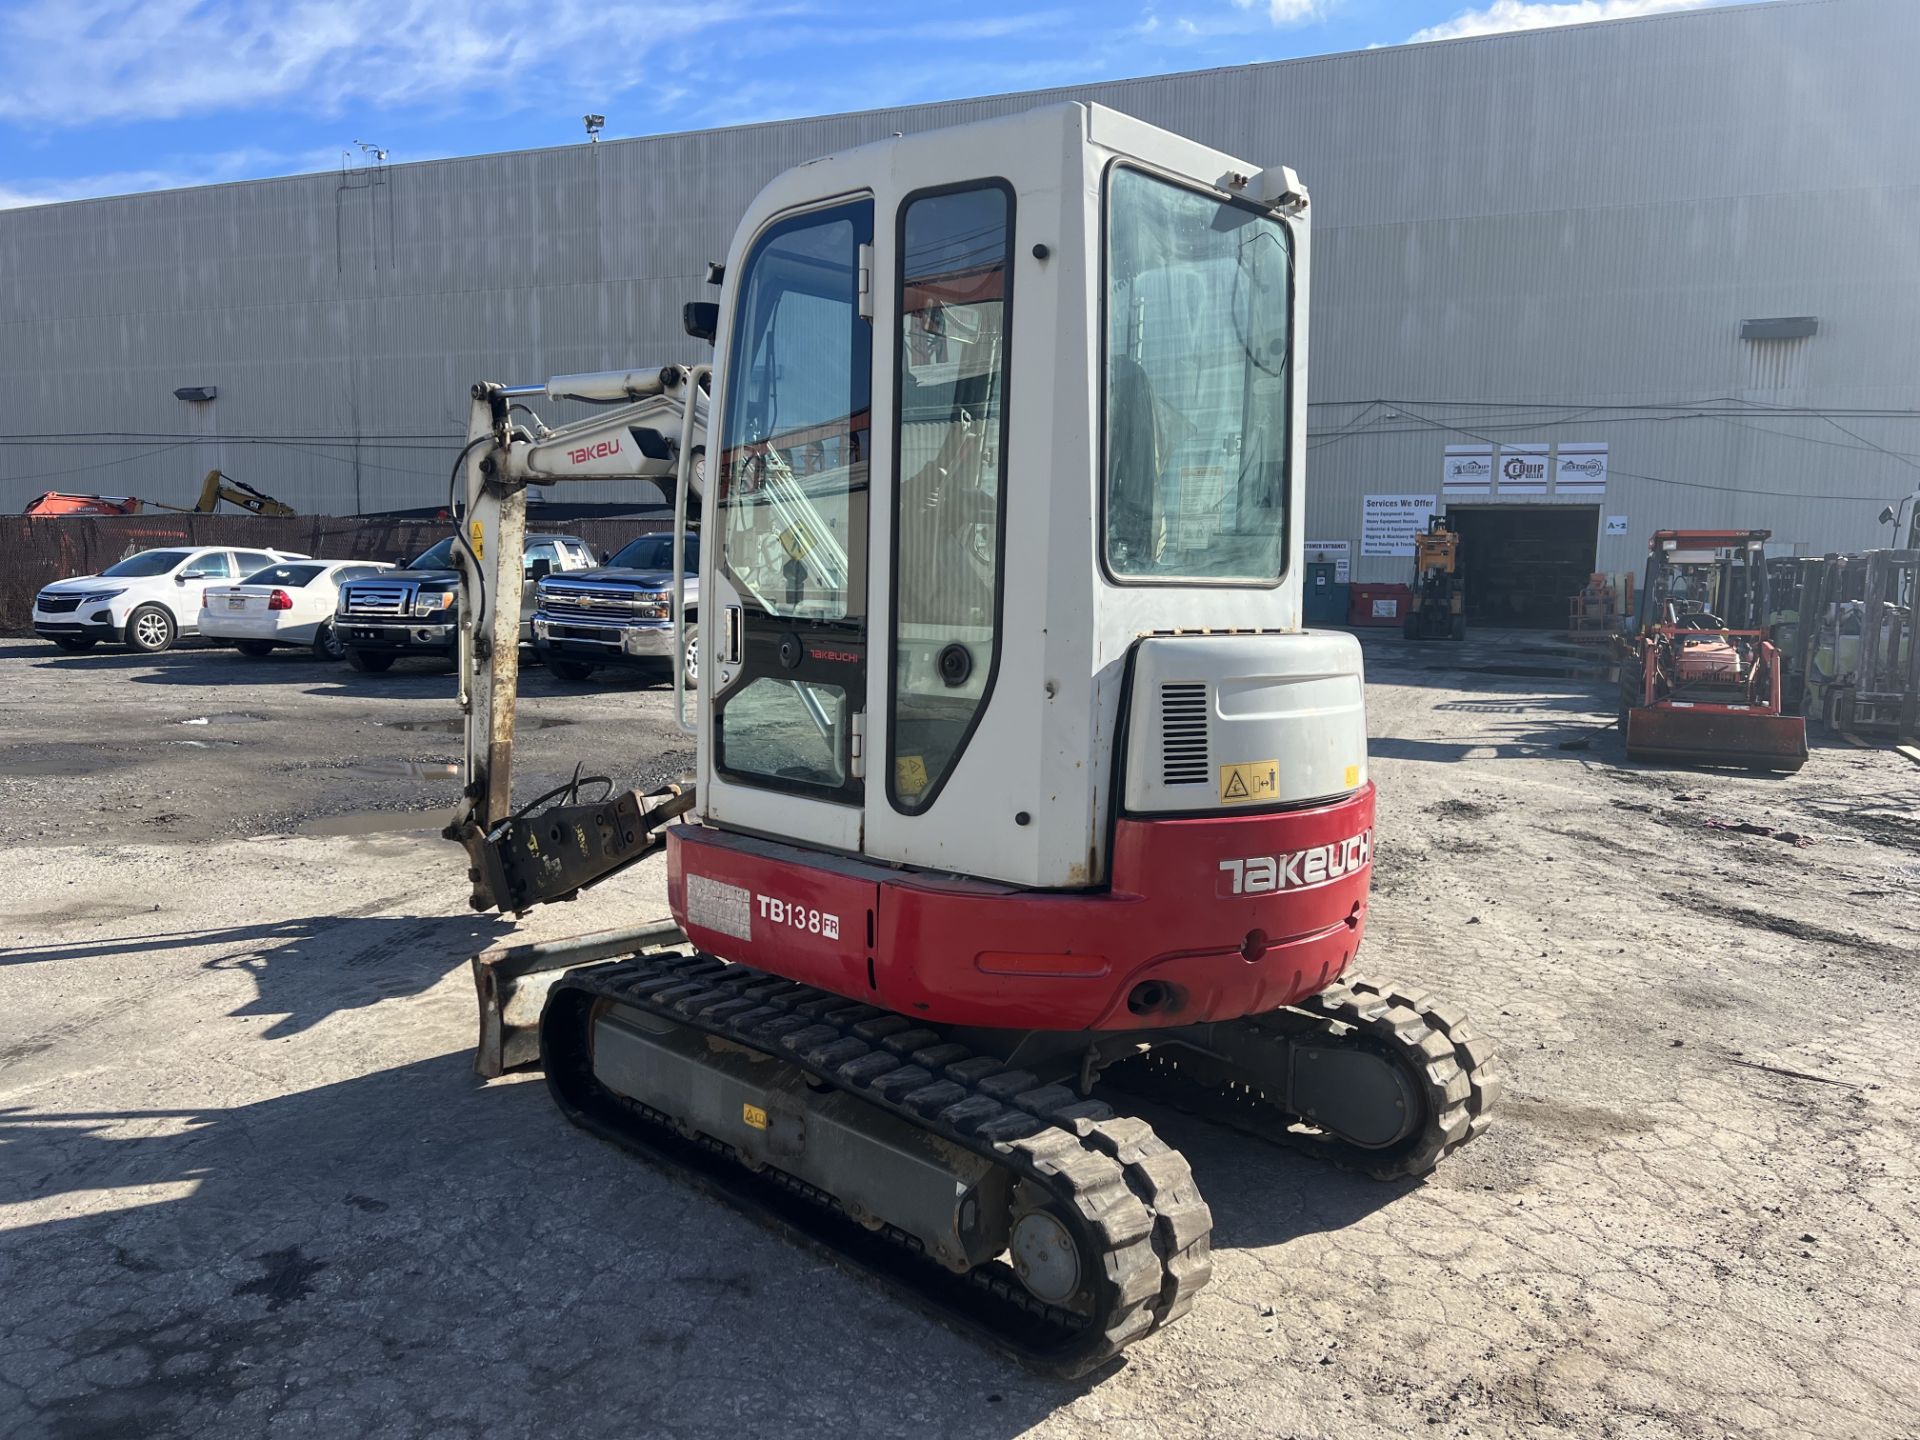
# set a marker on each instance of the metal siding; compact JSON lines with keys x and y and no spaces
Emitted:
{"x":1568,"y":217}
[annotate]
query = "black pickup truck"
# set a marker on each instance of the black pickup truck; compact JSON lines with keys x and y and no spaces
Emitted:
{"x":415,"y":611}
{"x":618,"y":614}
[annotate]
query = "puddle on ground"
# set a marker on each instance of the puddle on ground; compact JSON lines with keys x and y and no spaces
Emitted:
{"x":63,"y":766}
{"x":223,"y":717}
{"x":414,"y":770}
{"x":203,"y":744}
{"x":456,"y":725}
{"x":374,"y":822}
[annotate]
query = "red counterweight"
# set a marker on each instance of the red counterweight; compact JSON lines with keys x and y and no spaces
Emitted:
{"x":1207,"y":918}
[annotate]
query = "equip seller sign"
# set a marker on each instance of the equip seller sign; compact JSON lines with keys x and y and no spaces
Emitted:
{"x":1388,"y":523}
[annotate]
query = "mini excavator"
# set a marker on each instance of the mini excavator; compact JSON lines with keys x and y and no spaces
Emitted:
{"x":1022,"y":794}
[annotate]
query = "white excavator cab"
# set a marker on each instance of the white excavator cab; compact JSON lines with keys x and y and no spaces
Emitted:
{"x":993,"y":403}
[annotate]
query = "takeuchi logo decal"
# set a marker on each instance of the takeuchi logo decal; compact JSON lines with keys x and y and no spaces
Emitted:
{"x":601,"y":451}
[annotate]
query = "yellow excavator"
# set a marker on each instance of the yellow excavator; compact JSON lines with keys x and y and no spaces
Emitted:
{"x":218,"y":486}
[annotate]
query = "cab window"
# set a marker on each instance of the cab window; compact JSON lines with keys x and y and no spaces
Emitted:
{"x":951,"y":378}
{"x":1199,"y":307}
{"x":213,"y":564}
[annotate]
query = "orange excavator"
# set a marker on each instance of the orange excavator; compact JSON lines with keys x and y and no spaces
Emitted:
{"x":217,"y":487}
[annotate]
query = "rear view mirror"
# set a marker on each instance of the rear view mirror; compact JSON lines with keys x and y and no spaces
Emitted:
{"x":186,"y":575}
{"x":540,"y":569}
{"x":1886,"y":515}
{"x":700,"y":319}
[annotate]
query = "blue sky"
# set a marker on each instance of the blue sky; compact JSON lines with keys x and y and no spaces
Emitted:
{"x":105,"y":97}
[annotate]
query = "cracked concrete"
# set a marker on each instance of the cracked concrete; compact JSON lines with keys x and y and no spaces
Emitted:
{"x":248,"y":1185}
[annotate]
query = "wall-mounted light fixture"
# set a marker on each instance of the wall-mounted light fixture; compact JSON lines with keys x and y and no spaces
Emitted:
{"x":197,"y":394}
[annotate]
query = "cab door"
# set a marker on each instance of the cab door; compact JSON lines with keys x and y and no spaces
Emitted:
{"x":786,"y":626}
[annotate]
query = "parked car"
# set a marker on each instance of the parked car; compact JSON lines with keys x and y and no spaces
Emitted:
{"x":290,"y":603}
{"x":618,"y":614}
{"x":415,"y":611}
{"x":146,"y":602}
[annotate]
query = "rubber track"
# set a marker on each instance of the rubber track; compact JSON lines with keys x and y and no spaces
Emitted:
{"x":1139,"y":1209}
{"x":1457,"y":1072}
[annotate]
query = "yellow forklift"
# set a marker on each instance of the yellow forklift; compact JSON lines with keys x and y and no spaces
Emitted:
{"x":1438,"y":611}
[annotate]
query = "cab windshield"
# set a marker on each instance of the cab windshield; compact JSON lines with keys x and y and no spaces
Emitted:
{"x":1199,"y":302}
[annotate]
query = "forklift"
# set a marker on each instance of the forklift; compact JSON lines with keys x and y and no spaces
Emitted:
{"x":1438,"y":611}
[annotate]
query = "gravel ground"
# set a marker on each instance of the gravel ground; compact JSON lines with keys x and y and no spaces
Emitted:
{"x":250,"y":1186}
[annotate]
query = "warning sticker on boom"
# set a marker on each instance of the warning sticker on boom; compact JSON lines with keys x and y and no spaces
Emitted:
{"x":1250,"y":783}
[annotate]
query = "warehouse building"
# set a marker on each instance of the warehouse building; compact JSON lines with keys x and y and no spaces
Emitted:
{"x":1569,"y":286}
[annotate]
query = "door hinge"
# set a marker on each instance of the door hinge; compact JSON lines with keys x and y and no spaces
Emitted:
{"x":857,"y":746}
{"x":866,"y":282}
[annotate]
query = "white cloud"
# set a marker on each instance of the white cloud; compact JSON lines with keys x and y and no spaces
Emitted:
{"x":158,"y":59}
{"x":1287,"y":12}
{"x":1505,"y":15}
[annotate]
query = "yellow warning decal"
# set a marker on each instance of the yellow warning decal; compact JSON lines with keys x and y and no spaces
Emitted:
{"x":910,"y":774}
{"x":1353,"y":777}
{"x":479,"y":534}
{"x":1250,"y":783}
{"x":797,"y":542}
{"x":754,"y":1116}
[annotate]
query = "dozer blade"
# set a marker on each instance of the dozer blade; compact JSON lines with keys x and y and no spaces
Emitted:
{"x":1752,"y":739}
{"x":512,"y":982}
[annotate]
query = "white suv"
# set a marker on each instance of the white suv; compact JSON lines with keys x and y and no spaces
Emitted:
{"x":146,"y":602}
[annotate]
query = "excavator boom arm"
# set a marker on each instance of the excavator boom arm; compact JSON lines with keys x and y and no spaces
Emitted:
{"x":526,"y":857}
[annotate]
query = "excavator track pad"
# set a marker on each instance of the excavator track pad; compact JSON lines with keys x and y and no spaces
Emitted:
{"x":1015,"y":1209}
{"x":1009,"y":1206}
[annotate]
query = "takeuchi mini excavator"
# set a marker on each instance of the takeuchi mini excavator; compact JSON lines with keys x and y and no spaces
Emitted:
{"x":1700,"y":679}
{"x":1022,"y":796}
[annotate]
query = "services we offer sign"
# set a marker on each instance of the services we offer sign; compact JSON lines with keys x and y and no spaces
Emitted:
{"x":1388,"y":523}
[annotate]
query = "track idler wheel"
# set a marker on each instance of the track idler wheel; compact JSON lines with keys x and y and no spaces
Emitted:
{"x":1452,"y":1073}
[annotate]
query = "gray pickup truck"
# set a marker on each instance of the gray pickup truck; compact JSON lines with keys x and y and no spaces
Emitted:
{"x":619,"y":614}
{"x":415,"y":611}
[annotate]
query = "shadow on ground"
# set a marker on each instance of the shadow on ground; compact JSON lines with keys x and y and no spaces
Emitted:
{"x":412,"y":1249}
{"x":303,"y":970}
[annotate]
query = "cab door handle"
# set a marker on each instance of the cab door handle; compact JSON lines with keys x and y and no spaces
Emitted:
{"x":730,"y":644}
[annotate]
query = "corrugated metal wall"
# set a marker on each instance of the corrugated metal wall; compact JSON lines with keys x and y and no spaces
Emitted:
{"x":1509,"y":230}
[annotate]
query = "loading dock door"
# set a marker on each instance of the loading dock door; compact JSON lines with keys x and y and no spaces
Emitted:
{"x":1522,"y":563}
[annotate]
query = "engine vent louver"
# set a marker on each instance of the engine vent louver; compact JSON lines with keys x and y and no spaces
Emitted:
{"x":1183,"y":735}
